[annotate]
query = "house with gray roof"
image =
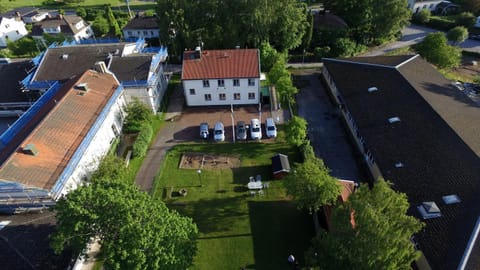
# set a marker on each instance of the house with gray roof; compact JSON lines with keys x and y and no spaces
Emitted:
{"x":142,"y":27}
{"x":141,"y":74}
{"x":71,"y":26}
{"x":415,"y":129}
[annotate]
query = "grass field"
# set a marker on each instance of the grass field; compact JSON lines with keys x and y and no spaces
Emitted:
{"x":237,"y":229}
{"x":134,"y":4}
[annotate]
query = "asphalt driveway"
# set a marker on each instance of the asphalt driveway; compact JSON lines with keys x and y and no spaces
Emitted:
{"x":325,"y":129}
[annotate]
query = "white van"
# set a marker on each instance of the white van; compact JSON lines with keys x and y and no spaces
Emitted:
{"x":219,"y":132}
{"x":271,"y":129}
{"x":255,"y":129}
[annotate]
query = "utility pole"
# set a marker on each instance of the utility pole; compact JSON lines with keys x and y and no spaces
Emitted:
{"x":233,"y":123}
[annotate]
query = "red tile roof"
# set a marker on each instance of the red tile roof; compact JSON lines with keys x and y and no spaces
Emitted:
{"x":59,"y":134}
{"x":238,"y":63}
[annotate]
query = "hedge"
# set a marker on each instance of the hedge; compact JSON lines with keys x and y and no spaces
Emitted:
{"x":142,"y":142}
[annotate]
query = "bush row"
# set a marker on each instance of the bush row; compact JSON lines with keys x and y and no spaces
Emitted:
{"x":142,"y":142}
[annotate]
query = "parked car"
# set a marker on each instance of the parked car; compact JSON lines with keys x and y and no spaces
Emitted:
{"x":255,"y":129}
{"x":204,"y":131}
{"x":271,"y":129}
{"x":241,"y":133}
{"x":219,"y":132}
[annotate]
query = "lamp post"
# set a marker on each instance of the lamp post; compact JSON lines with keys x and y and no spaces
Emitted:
{"x":199,"y":172}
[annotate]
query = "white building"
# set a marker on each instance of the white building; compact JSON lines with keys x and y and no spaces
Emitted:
{"x":70,"y":26}
{"x":73,"y":130}
{"x":142,"y":27}
{"x":11,"y":30}
{"x":221,"y":77}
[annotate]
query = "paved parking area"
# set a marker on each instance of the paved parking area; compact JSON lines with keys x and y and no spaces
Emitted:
{"x":182,"y":125}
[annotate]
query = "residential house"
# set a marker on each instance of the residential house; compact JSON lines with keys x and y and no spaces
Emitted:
{"x":221,"y":77}
{"x":68,"y":131}
{"x":415,"y":129}
{"x":71,"y":26}
{"x":435,"y":6}
{"x":11,"y":30}
{"x":26,"y":14}
{"x":142,"y":27}
{"x":141,"y":74}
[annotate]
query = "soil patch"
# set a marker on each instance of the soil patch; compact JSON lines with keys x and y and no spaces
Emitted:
{"x":208,"y":161}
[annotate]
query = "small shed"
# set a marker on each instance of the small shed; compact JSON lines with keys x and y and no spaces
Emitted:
{"x":280,"y":166}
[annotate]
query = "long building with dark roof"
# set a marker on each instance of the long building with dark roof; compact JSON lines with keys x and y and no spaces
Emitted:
{"x":417,"y":130}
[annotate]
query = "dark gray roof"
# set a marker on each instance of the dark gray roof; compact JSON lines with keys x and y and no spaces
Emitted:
{"x":25,"y":242}
{"x":131,"y":68}
{"x":23,"y":11}
{"x":280,"y":163}
{"x":67,"y":25}
{"x":10,"y":76}
{"x":75,"y":60}
{"x":436,"y":141}
{"x":141,"y":22}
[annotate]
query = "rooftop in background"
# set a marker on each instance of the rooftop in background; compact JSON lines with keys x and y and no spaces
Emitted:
{"x":66,"y":23}
{"x":142,"y":22}
{"x":59,"y":134}
{"x":10,"y":76}
{"x":436,"y":141}
{"x":212,"y":64}
{"x":25,"y":242}
{"x":22,"y":11}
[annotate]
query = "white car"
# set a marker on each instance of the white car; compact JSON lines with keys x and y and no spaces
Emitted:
{"x":271,"y":129}
{"x":255,"y":129}
{"x":219,"y":132}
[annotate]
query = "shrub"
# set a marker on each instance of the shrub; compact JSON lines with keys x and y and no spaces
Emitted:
{"x":321,"y":52}
{"x":466,"y":19}
{"x":142,"y":142}
{"x":422,"y":17}
{"x":441,"y":23}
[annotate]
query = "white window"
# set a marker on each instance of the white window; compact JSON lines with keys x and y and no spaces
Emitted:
{"x":251,"y":82}
{"x":208,"y":97}
{"x":192,"y":91}
{"x":221,"y":83}
{"x":251,"y":95}
{"x":206,"y":83}
{"x":236,"y":82}
{"x":222,"y":96}
{"x":236,"y":96}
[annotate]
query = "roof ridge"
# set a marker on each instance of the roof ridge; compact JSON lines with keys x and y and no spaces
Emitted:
{"x":358,"y":63}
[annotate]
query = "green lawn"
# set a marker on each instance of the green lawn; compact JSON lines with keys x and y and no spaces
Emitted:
{"x":237,"y":229}
{"x":134,"y":4}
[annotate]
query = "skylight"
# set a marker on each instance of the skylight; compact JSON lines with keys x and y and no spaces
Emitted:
{"x":429,"y":210}
{"x":372,"y":89}
{"x":451,"y":199}
{"x":392,"y":120}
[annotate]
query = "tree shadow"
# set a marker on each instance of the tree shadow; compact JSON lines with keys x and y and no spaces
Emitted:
{"x":214,"y":215}
{"x":278,"y":230}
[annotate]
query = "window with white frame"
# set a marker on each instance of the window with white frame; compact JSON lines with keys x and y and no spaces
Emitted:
{"x":192,"y":91}
{"x":251,"y":82}
{"x":251,"y":95}
{"x":208,"y":97}
{"x":222,"y":96}
{"x":221,"y":83}
{"x":236,"y":96}
{"x":206,"y":83}
{"x":236,"y":82}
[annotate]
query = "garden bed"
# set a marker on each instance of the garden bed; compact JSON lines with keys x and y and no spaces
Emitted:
{"x":208,"y":161}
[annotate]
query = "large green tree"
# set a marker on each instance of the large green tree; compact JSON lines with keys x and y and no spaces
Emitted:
{"x":311,"y":185}
{"x":226,"y":24}
{"x":378,"y":236}
{"x":371,"y":21}
{"x":296,"y":130}
{"x":135,"y":230}
{"x":435,"y":49}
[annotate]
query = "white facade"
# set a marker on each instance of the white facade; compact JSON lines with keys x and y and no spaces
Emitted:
{"x":416,"y":6}
{"x":11,"y":29}
{"x":109,"y":129}
{"x":234,"y":91}
{"x":141,"y":33}
{"x":85,"y":33}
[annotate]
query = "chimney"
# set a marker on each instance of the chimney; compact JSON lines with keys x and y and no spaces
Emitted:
{"x":17,"y":14}
{"x":101,"y":67}
{"x":198,"y":52}
{"x":60,"y":16}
